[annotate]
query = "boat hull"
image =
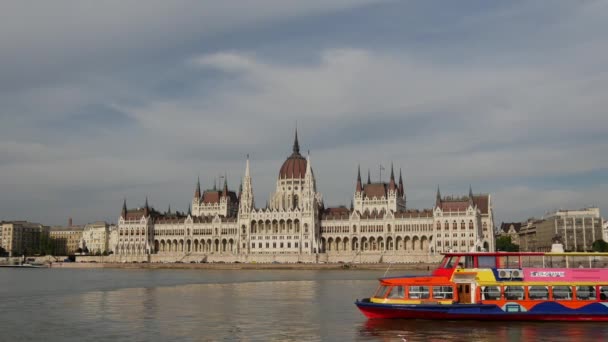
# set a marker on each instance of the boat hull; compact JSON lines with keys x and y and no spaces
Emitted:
{"x":478,"y":312}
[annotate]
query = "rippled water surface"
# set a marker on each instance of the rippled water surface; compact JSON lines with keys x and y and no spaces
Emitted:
{"x":236,"y":305}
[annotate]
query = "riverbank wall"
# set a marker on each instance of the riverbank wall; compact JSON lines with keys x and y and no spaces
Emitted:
{"x":251,"y":266}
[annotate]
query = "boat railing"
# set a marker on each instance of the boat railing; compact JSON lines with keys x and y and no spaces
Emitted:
{"x":555,"y":260}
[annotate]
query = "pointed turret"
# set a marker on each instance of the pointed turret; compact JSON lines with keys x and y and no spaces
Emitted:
{"x":401,"y":189}
{"x":438,"y":198}
{"x":391,"y":185}
{"x":214,"y":184}
{"x":470,"y":195}
{"x":146,"y":208}
{"x":197,"y":191}
{"x":169,"y":210}
{"x":296,"y":145}
{"x":359,"y":186}
{"x":123,"y":213}
{"x":246,"y":193}
{"x":369,"y":177}
{"x":189,"y":210}
{"x":225,"y":190}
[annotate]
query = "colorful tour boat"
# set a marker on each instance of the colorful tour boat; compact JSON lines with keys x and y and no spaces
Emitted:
{"x":499,"y":286}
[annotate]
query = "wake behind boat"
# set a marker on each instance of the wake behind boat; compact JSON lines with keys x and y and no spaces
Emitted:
{"x":499,"y":286}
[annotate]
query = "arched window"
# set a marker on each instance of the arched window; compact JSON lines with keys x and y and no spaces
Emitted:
{"x":438,"y":225}
{"x":471,"y":224}
{"x":454,"y":225}
{"x":295,"y":201}
{"x":462,"y":225}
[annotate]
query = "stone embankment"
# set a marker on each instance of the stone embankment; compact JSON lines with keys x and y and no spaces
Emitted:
{"x":248,"y":266}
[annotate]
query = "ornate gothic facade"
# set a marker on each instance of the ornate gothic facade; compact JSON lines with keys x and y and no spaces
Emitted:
{"x":296,"y":226}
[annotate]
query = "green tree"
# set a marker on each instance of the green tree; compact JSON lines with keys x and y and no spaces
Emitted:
{"x":599,"y":246}
{"x":504,"y":244}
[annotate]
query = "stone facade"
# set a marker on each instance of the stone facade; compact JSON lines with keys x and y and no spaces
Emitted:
{"x":22,"y":237}
{"x":511,"y":229}
{"x":95,"y":237}
{"x":295,"y":225}
{"x":66,"y":240}
{"x":577,"y":230}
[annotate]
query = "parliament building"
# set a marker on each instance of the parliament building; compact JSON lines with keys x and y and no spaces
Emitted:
{"x":296,"y":226}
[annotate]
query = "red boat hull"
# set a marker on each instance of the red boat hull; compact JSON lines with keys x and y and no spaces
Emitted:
{"x":383,"y":312}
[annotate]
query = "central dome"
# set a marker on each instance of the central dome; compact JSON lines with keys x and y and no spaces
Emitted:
{"x":295,"y":165}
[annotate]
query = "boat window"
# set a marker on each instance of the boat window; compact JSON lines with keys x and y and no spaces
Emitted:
{"x":509,"y":261}
{"x":538,"y":292}
{"x":562,"y":292}
{"x":514,"y":292}
{"x":381,"y":292}
{"x":486,"y":261}
{"x":604,"y":292}
{"x":468,"y":262}
{"x":419,"y":292}
{"x":490,"y":292}
{"x":396,"y":292}
{"x":443,"y":292}
{"x":585,"y":293}
{"x":451,"y":262}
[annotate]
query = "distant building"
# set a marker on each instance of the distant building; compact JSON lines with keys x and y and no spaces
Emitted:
{"x":112,"y":238}
{"x":511,"y":229}
{"x":66,"y":240}
{"x":464,"y":223}
{"x":577,"y":229}
{"x":22,"y":237}
{"x":527,"y":237}
{"x":95,"y":237}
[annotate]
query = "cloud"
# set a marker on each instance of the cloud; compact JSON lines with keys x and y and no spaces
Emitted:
{"x":117,"y":100}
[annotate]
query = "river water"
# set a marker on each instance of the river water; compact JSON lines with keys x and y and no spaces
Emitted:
{"x":234,"y":305}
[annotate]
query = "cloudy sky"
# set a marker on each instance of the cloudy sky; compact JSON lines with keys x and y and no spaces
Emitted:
{"x":101,"y":100}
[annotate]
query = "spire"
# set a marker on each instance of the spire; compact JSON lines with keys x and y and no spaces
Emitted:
{"x":470,"y":195}
{"x":146,"y":208}
{"x":189,"y":210}
{"x":392,"y":185}
{"x":438,"y":198}
{"x":123,"y":213}
{"x":359,"y":186}
{"x":225,"y":190}
{"x":169,"y":210}
{"x":197,"y":191}
{"x":247,"y":167}
{"x":401,"y":190}
{"x":369,"y":178}
{"x":296,"y":145}
{"x":308,"y":166}
{"x":214,"y":184}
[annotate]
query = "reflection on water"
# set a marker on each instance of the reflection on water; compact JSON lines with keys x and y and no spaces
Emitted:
{"x":421,"y":330}
{"x":170,"y":305}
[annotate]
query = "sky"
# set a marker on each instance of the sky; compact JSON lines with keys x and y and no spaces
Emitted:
{"x":105,"y":100}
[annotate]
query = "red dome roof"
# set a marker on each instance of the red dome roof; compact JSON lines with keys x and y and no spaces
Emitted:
{"x":293,"y":167}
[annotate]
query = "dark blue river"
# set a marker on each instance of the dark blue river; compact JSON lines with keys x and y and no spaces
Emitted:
{"x":239,"y":305}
